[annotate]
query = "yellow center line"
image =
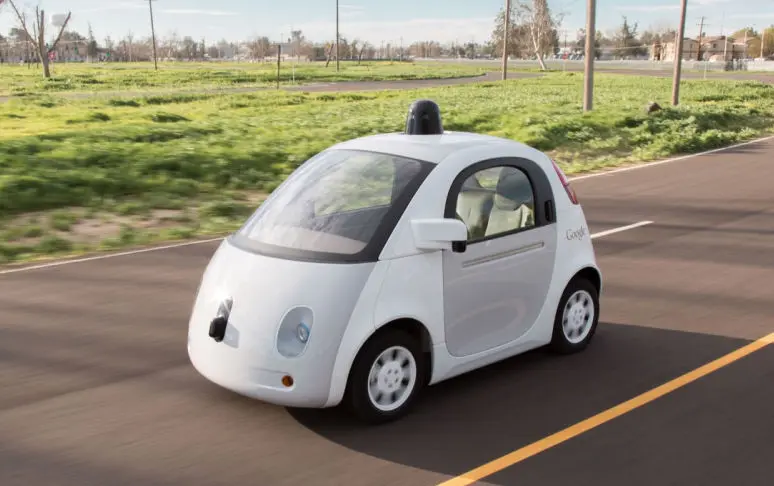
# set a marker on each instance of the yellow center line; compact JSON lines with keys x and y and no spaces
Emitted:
{"x":574,"y":430}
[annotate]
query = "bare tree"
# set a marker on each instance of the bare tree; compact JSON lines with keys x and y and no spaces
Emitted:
{"x":259,"y":48}
{"x":329,"y":46}
{"x":425,"y":49}
{"x":541,"y":25}
{"x":172,"y":44}
{"x":92,"y":50}
{"x":354,"y":46}
{"x":188,"y":48}
{"x":518,"y":35}
{"x":39,"y":28}
{"x":363,"y":47}
{"x":109,"y":47}
{"x":130,"y":45}
{"x":301,"y":46}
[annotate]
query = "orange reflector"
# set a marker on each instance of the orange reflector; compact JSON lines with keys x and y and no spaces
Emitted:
{"x":287,"y":380}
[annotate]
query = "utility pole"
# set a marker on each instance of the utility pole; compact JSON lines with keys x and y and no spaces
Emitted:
{"x":337,"y":35}
{"x":591,"y":38}
{"x":763,"y":41}
{"x":678,"y":54}
{"x":153,"y":35}
{"x":506,"y":30}
{"x":701,"y":35}
{"x":725,"y":39}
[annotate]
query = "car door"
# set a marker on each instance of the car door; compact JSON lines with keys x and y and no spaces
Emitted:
{"x":494,"y":290}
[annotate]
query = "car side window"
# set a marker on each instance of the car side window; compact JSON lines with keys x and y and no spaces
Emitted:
{"x":495,"y":201}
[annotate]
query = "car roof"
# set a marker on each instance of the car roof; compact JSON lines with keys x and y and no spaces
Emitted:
{"x":429,"y":148}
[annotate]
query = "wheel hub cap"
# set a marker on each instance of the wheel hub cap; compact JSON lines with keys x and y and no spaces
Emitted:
{"x":578,"y":316}
{"x":392,"y":378}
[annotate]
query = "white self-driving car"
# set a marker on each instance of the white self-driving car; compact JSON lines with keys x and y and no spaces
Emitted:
{"x":391,"y":262}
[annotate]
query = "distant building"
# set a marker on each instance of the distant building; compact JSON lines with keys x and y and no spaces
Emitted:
{"x":72,"y":51}
{"x":721,"y":48}
{"x":689,"y":52}
{"x":714,"y":48}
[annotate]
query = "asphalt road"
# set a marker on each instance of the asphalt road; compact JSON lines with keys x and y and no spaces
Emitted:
{"x":96,"y":387}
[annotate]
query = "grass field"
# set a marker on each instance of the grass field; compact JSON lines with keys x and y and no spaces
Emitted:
{"x":135,"y":77}
{"x":104,"y":173}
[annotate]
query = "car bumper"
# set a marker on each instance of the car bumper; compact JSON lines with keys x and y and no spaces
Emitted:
{"x":261,"y":378}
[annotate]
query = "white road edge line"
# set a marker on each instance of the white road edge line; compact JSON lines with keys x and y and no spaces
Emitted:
{"x":621,"y":229}
{"x":212,"y":240}
{"x":200,"y":242}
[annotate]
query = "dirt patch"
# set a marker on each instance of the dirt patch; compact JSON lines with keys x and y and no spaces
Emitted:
{"x":84,"y":226}
{"x":96,"y":230}
{"x":255,"y":198}
{"x":77,"y":229}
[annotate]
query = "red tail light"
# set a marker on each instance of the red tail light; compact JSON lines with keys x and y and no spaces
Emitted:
{"x":567,"y":187}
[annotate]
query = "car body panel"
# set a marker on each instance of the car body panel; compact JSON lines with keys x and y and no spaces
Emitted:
{"x":352,"y":300}
{"x":263,"y":290}
{"x":494,"y":292}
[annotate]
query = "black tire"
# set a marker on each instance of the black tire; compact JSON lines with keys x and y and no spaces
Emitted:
{"x":560,"y":343}
{"x":357,"y":397}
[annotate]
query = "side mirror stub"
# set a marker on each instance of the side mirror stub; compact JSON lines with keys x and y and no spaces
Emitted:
{"x":440,"y":234}
{"x":459,"y":246}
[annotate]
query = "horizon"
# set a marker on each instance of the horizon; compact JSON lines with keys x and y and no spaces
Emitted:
{"x":444,"y":22}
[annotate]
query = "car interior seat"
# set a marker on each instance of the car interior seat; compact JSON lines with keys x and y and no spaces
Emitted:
{"x":513,"y":203}
{"x":473,"y":206}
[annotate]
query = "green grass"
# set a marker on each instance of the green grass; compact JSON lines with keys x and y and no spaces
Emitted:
{"x":105,"y":173}
{"x":141,"y":77}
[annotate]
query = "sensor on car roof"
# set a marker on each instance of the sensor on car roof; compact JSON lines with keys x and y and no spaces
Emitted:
{"x":424,"y":118}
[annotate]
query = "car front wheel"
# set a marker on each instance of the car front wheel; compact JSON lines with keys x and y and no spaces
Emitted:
{"x":386,"y":377}
{"x":576,"y":318}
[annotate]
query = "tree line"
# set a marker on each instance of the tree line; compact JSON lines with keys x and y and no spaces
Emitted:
{"x":535,"y":33}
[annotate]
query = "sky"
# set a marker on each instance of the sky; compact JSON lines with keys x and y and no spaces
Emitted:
{"x":376,"y":21}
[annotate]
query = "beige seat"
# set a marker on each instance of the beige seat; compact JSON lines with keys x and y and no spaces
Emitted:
{"x":473,"y":206}
{"x":513,"y":203}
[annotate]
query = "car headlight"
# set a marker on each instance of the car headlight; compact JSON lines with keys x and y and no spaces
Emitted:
{"x":294,"y":331}
{"x":303,"y":332}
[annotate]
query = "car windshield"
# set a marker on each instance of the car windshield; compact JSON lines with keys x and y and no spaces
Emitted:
{"x":335,"y":203}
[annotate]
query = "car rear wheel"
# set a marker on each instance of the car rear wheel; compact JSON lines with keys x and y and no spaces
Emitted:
{"x":576,"y":318}
{"x":386,"y":377}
